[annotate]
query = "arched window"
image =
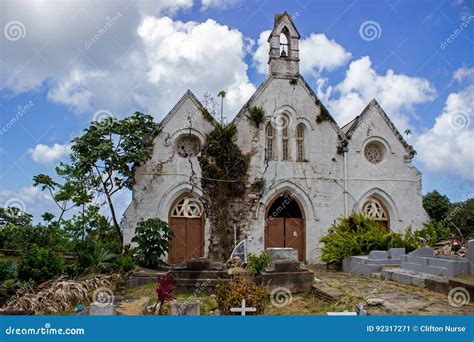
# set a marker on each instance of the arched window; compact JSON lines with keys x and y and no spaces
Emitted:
{"x":374,"y":209}
{"x":284,"y":45}
{"x":300,"y":143}
{"x":270,"y":136}
{"x":187,"y":207}
{"x":284,"y":143}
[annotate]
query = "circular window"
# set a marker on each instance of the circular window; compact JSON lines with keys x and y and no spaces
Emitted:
{"x":374,"y":152}
{"x":188,"y":145}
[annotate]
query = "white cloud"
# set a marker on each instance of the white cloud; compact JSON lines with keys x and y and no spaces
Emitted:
{"x":317,"y":53}
{"x":448,"y":145}
{"x":110,"y":55}
{"x":463,"y":74}
{"x":44,"y":154}
{"x":219,"y":4}
{"x":28,"y":199}
{"x":204,"y":57}
{"x":396,"y":93}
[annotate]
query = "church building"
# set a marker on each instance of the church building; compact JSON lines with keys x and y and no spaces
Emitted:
{"x":314,"y":171}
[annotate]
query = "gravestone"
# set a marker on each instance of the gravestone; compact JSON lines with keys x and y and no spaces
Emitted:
{"x":374,"y":262}
{"x":288,"y":274}
{"x":277,"y":254}
{"x":102,"y":310}
{"x":185,"y":308}
{"x":243,"y":309}
{"x":198,"y":276}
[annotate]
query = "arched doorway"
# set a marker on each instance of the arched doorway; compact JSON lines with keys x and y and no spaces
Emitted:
{"x":285,"y":224}
{"x":375,"y":209}
{"x":186,"y":219}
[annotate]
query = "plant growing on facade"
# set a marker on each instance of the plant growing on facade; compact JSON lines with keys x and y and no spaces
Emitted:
{"x":224,"y":181}
{"x":256,"y":115}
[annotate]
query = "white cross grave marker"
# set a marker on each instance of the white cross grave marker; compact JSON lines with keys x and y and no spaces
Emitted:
{"x":243,"y":309}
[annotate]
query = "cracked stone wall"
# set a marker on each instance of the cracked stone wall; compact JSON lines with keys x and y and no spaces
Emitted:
{"x":317,"y":183}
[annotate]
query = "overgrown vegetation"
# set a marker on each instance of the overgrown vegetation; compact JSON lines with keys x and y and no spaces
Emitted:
{"x":152,"y":237}
{"x":358,"y":235}
{"x":101,"y":164}
{"x":256,"y":115}
{"x":224,"y":171}
{"x":229,"y":294}
{"x":39,"y":264}
{"x":456,"y":217}
{"x":256,"y":263}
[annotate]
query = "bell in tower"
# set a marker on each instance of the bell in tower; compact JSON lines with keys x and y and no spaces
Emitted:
{"x":284,"y":47}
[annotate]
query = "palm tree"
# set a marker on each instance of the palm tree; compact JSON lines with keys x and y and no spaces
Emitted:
{"x":222,"y":95}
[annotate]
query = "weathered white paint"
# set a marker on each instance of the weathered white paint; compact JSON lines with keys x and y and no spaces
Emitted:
{"x":318,"y":183}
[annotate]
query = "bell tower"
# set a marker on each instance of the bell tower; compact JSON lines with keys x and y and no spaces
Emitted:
{"x":284,"y":41}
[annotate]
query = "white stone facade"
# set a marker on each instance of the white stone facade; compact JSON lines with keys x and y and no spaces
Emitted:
{"x":333,"y":178}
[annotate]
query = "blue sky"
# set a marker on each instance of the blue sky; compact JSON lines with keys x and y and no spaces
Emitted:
{"x":64,"y":62}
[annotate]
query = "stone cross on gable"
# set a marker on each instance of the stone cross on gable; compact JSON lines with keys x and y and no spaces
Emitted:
{"x":243,"y":309}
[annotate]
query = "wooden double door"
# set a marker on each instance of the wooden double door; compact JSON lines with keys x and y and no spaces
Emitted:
{"x":286,"y":232}
{"x":188,"y":239}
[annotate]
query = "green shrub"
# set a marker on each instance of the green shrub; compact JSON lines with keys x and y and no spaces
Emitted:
{"x":153,"y":239}
{"x":21,"y":237}
{"x":229,"y":294}
{"x":39,"y":264}
{"x":256,"y":264}
{"x":433,"y":232}
{"x":95,"y":259}
{"x":358,"y":235}
{"x":126,"y":261}
{"x":6,"y":270}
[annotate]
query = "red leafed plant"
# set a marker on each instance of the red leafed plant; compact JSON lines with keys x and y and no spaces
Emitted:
{"x":165,"y":291}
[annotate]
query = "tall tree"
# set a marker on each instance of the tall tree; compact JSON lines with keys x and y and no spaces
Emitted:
{"x":107,"y":153}
{"x":436,"y":205}
{"x":101,"y":164}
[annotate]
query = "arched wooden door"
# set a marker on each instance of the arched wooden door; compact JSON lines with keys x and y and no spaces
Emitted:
{"x":187,"y":222}
{"x":285,"y":225}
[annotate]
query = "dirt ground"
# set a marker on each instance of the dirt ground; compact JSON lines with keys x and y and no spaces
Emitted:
{"x":392,"y":298}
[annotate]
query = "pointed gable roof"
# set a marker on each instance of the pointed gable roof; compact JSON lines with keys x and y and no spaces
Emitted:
{"x":350,"y":127}
{"x":284,"y":18}
{"x":187,"y":95}
{"x":324,"y":112}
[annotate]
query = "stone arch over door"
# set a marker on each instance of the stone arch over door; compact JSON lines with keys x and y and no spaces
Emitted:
{"x":285,"y":224}
{"x":186,"y":219}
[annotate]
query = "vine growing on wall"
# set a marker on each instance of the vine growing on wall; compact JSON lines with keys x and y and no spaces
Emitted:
{"x":224,"y":181}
